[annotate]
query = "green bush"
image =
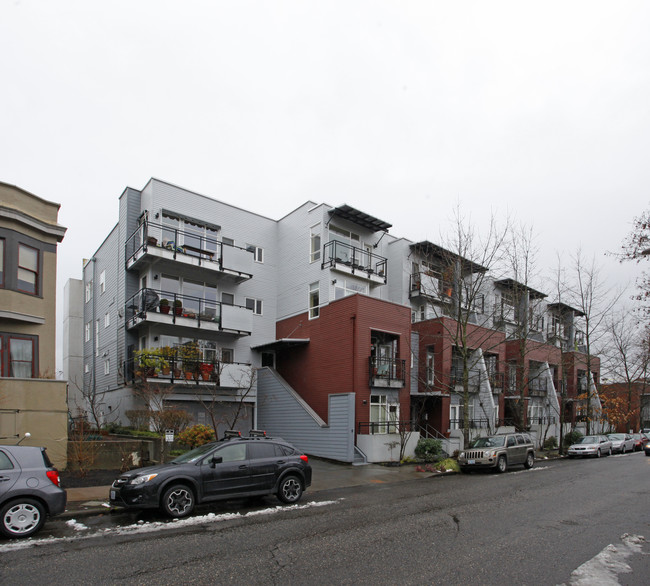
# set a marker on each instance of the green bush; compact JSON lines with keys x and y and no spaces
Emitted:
{"x":571,"y":438}
{"x":428,"y":449}
{"x":550,"y":443}
{"x":196,"y":436}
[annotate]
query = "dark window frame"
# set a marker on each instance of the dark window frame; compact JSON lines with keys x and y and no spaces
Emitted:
{"x":5,"y":353}
{"x":36,"y":273}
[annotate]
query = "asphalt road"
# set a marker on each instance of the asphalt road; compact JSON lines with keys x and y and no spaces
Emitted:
{"x":522,"y":527}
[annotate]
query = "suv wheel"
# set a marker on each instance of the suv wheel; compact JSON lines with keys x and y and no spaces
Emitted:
{"x":178,"y":501}
{"x":22,"y":518}
{"x":530,"y":461}
{"x":502,"y":464}
{"x":290,"y":490}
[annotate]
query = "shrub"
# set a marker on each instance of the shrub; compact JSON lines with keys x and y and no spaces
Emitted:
{"x":196,"y":436}
{"x":571,"y":438}
{"x":139,"y":418}
{"x":448,"y":464}
{"x":428,"y":449}
{"x":550,"y":443}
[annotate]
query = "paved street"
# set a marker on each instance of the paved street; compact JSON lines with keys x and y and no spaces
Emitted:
{"x":523,"y":527}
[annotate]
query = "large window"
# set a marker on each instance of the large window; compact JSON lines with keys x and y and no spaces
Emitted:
{"x":384,"y":416}
{"x":314,"y":300}
{"x":431,"y":374}
{"x":28,"y":269}
{"x":255,"y":305}
{"x":345,"y":287}
{"x":18,"y":355}
{"x":314,"y":243}
{"x":258,"y":252}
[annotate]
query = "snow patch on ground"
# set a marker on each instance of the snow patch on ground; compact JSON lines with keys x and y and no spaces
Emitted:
{"x":144,"y":527}
{"x":604,"y":568}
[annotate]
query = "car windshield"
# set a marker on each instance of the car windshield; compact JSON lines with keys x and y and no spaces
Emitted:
{"x":489,"y":442}
{"x":195,"y":454}
{"x":589,"y":439}
{"x":616,"y":436}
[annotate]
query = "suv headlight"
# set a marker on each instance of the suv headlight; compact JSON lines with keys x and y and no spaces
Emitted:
{"x":461,"y":455}
{"x":489,"y":454}
{"x":142,"y":479}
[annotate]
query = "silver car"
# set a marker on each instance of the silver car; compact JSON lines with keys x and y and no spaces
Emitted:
{"x":621,"y":442}
{"x":591,"y":445}
{"x":30,"y":490}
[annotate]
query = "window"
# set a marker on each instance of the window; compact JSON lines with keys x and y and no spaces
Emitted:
{"x":227,"y":299}
{"x":2,"y":262}
{"x":227,"y":355}
{"x":347,"y":287}
{"x":107,"y":319}
{"x":102,"y":282}
{"x":255,"y":305}
{"x":232,"y":453}
{"x":457,"y":416}
{"x":258,"y":252}
{"x":5,"y":462}
{"x":87,"y":332}
{"x":314,"y":243}
{"x":314,"y":300}
{"x":107,"y":366}
{"x":18,"y":356}
{"x":378,"y":414}
{"x":27,"y":269}
{"x":97,"y":338}
{"x":228,"y":241}
{"x":89,"y":290}
{"x":86,"y":368}
{"x":431,"y":376}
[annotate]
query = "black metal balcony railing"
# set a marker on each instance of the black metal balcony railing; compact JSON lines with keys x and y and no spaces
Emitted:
{"x":473,"y":423}
{"x":179,"y":363}
{"x":183,"y":242}
{"x":384,"y":427}
{"x":173,"y":304}
{"x":360,"y":261}
{"x":387,"y":370}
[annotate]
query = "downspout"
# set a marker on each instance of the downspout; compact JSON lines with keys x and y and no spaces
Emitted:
{"x":94,"y":328}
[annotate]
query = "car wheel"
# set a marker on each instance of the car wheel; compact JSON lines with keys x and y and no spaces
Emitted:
{"x":598,"y":454}
{"x":609,"y":452}
{"x":530,"y":461}
{"x":290,"y":490}
{"x":178,"y":501}
{"x":502,"y":464}
{"x":22,"y":518}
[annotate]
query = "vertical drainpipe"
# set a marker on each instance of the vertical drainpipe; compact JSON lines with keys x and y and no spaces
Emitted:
{"x":354,"y":360}
{"x":93,"y":326}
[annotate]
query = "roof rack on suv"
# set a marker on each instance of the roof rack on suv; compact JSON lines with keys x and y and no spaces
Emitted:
{"x":230,"y":433}
{"x":257,"y":433}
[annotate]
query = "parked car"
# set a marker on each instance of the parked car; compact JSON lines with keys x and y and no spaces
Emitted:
{"x":646,"y":447}
{"x":591,"y":445}
{"x":30,"y":490}
{"x":498,"y":452}
{"x":232,"y":468}
{"x":621,"y":442}
{"x":640,"y":439}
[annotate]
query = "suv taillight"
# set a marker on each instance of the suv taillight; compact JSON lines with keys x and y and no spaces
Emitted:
{"x":304,"y":458}
{"x":53,"y":475}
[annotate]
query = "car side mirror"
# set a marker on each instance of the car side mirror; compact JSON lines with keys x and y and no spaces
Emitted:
{"x":215,"y":460}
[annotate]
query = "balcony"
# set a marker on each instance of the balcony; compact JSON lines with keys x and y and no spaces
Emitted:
{"x":537,"y":387}
{"x":173,"y":368}
{"x":384,"y":427}
{"x":148,"y":307}
{"x":354,"y":261}
{"x":431,"y":285}
{"x":387,"y":372}
{"x":167,"y":246}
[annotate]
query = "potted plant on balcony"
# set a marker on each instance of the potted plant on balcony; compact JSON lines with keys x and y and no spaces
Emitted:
{"x":207,"y":368}
{"x":150,"y":362}
{"x":189,"y":354}
{"x":164,"y":306}
{"x":178,"y":307}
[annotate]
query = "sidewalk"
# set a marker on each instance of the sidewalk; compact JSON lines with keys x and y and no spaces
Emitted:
{"x":326,"y":475}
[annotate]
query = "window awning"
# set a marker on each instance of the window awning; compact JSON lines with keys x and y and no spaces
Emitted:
{"x":564,"y":308}
{"x":513,"y":285}
{"x":360,"y":218}
{"x":281,"y":343}
{"x":430,"y":250}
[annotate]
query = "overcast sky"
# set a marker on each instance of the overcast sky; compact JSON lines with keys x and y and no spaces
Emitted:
{"x":402,"y":109}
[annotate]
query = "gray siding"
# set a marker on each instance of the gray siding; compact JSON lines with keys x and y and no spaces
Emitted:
{"x":281,"y":412}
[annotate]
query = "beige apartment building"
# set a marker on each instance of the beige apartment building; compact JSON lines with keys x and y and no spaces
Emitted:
{"x":31,"y":399}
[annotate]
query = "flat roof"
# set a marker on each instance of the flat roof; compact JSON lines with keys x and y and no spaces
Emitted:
{"x":281,"y":343}
{"x":427,"y":248}
{"x":512,"y":284}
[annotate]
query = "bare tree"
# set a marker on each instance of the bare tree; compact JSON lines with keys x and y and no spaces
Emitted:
{"x":595,"y":300}
{"x":93,"y":406}
{"x":224,"y":406}
{"x":453,"y":279}
{"x":628,"y":359}
{"x":636,"y":247}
